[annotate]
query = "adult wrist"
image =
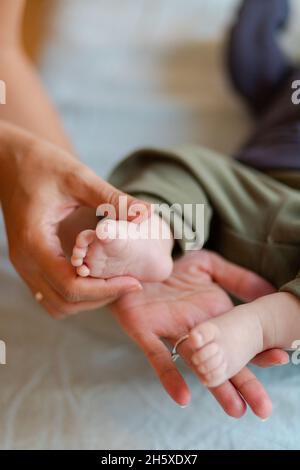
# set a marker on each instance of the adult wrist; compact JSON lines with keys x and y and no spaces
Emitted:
{"x":5,"y":138}
{"x":12,"y":139}
{"x":13,"y":144}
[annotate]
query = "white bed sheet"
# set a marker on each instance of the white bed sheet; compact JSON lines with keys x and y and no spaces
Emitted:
{"x":124,"y":74}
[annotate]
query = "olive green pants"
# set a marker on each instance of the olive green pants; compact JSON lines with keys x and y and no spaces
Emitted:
{"x":251,"y":218}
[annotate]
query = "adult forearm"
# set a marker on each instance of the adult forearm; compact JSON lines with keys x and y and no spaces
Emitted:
{"x":11,"y":15}
{"x":27,"y":104}
{"x":14,"y":144}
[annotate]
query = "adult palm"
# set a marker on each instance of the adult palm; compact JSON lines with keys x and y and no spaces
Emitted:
{"x":196,"y":291}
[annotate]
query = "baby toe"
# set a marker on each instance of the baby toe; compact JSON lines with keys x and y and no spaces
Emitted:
{"x":203,"y":334}
{"x":85,"y":238}
{"x":205,"y":353}
{"x":79,"y":252}
{"x":83,"y":271}
{"x":76,"y":262}
{"x":210,"y":364}
{"x":215,"y":377}
{"x":106,"y":230}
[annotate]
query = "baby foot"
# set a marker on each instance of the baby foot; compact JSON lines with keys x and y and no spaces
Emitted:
{"x":117,"y":248}
{"x":224,"y":345}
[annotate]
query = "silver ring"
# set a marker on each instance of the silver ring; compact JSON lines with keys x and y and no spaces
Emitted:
{"x":174,"y":353}
{"x":39,"y":297}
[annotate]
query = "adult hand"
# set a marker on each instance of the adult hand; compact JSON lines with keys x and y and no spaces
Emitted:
{"x":40,"y":185}
{"x":169,"y":310}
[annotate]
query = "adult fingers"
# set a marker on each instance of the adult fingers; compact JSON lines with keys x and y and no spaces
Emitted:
{"x":226,"y":394}
{"x":47,"y":297}
{"x":245,"y":384}
{"x":160,"y":359}
{"x":272,"y":357}
{"x":76,"y":289}
{"x":55,"y":304}
{"x":230,"y":399}
{"x":93,"y":191}
{"x":234,"y":395}
{"x":243,"y":388}
{"x":239,"y":281}
{"x":253,"y":392}
{"x":58,"y":272}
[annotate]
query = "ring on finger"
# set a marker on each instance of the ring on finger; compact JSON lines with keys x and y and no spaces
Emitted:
{"x":174,"y":353}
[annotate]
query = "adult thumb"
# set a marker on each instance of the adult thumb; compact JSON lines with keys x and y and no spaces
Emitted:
{"x":94,"y":192}
{"x":271,"y":357}
{"x":242,"y":283}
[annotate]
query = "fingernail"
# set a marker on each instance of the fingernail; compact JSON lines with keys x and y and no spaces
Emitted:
{"x":283,"y":363}
{"x":264,"y":420}
{"x":135,"y":288}
{"x":183,"y":406}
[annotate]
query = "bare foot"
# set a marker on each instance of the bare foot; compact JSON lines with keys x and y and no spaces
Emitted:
{"x":224,"y":345}
{"x":121,"y":248}
{"x":166,"y":311}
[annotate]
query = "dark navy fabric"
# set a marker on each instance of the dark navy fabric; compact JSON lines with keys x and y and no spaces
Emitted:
{"x":263,"y":76}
